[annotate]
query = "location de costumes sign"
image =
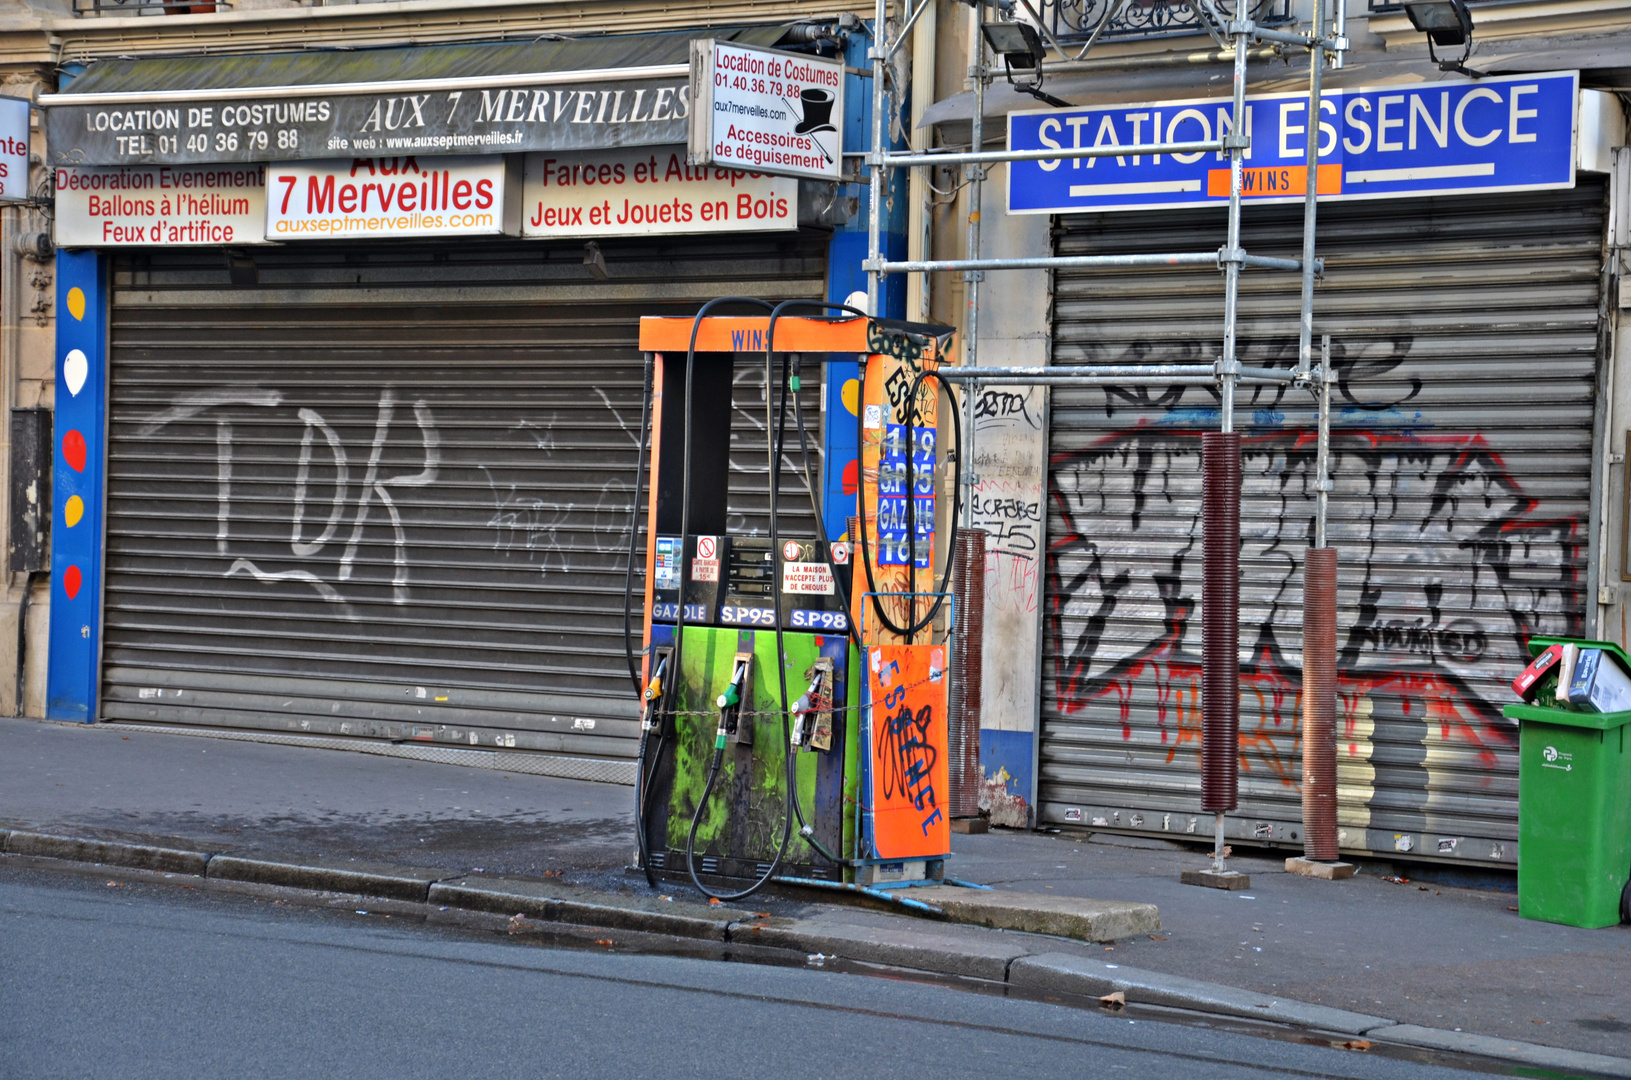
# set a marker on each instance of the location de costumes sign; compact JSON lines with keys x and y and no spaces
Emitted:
{"x":764,"y":109}
{"x":394,"y":196}
{"x":638,"y":192}
{"x":1511,"y":133}
{"x":13,"y":149}
{"x":161,"y":205}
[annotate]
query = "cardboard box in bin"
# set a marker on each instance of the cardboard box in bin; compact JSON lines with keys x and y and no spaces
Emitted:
{"x":1598,"y":684}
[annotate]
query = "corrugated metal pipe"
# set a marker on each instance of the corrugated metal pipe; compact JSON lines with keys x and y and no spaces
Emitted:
{"x":967,"y":651}
{"x":1220,"y":620}
{"x":1320,"y":705}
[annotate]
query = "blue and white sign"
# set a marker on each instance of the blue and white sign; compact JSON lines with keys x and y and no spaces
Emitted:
{"x":1515,"y":133}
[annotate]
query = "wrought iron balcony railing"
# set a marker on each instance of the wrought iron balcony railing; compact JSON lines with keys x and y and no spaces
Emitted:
{"x":1076,"y":20}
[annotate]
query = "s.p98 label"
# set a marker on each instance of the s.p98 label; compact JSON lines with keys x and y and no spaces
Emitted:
{"x":804,"y":619}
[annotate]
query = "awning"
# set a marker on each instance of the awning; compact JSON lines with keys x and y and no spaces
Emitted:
{"x":1602,"y":61}
{"x":624,"y":90}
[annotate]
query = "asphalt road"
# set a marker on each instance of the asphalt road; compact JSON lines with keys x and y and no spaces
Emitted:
{"x":152,"y":980}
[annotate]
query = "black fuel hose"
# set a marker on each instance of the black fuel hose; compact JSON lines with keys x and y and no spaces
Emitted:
{"x":679,"y":625}
{"x":805,"y":831}
{"x":911,"y":628}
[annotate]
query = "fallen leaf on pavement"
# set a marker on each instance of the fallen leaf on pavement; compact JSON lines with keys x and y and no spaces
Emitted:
{"x":1114,"y":1002}
{"x":1157,"y":937}
{"x":714,"y":901}
{"x":603,"y":941}
{"x":113,"y":885}
{"x":1353,"y":1044}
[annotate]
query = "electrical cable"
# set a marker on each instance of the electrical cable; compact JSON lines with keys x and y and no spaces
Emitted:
{"x":634,"y":523}
{"x":642,"y":786}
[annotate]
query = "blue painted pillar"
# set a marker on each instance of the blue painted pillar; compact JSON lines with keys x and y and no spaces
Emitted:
{"x":76,"y":485}
{"x":845,"y":278}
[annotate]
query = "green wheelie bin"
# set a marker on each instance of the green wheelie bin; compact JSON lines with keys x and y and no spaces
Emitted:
{"x":1574,"y":806}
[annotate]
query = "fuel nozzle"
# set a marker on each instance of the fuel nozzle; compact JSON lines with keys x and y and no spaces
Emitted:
{"x":730,"y":704}
{"x":654,"y":694}
{"x":803,"y":709}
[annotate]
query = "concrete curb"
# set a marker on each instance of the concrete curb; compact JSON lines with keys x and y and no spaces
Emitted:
{"x":552,"y":903}
{"x":1001,"y":959}
{"x":1545,"y":1057}
{"x":134,"y":856}
{"x":391,"y":883}
{"x":1065,"y":973}
{"x":901,"y":947}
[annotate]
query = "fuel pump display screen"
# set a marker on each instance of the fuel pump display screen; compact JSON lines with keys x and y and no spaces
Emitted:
{"x":806,"y":595}
{"x":893,"y":549}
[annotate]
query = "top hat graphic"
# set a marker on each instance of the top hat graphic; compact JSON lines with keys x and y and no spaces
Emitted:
{"x":817,"y":111}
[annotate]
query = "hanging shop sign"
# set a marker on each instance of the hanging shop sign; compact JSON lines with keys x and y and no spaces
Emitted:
{"x":1515,"y":133}
{"x":642,"y":192}
{"x":570,"y":110}
{"x":13,"y":149}
{"x":161,"y":206}
{"x":763,"y":109}
{"x":393,"y":196}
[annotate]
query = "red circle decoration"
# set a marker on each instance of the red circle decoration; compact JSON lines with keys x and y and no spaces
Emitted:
{"x":852,"y":477}
{"x":71,"y":582}
{"x":73,"y":450}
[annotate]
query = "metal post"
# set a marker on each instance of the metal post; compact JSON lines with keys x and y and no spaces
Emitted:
{"x":1339,"y":32}
{"x":1322,"y":466}
{"x":975,"y":174}
{"x":1316,"y":64}
{"x":876,"y":170}
{"x":1231,"y":268}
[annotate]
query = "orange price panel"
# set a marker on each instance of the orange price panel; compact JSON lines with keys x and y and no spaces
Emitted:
{"x":908,"y":744}
{"x":886,"y":447}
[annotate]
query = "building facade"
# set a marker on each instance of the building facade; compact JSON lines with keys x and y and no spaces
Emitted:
{"x":1478,"y":482}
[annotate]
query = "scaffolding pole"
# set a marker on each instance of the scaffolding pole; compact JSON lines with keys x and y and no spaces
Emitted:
{"x":1232,"y":258}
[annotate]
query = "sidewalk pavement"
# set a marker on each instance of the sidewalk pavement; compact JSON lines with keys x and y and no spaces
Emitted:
{"x":1432,"y":957}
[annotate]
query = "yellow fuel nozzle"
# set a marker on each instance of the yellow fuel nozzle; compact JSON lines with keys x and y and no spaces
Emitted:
{"x":654,"y":689}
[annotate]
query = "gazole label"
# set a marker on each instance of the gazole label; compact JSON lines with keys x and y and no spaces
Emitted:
{"x":1515,"y":133}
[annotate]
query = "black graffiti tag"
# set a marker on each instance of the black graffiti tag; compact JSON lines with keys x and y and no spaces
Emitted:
{"x":1004,"y":405}
{"x":906,"y":759}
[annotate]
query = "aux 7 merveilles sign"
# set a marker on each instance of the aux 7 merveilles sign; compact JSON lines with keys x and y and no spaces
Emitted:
{"x":1497,"y":134}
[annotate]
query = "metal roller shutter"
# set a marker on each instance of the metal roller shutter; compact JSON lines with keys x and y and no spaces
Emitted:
{"x":1465,"y":337}
{"x":385,"y":492}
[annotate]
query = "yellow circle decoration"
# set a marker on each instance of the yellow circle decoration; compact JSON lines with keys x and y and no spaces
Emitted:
{"x":73,"y":510}
{"x":851,"y":394}
{"x":76,"y":303}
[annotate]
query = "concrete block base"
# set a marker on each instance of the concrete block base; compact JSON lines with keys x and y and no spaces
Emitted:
{"x":1088,"y":920}
{"x":1325,"y":871}
{"x":1211,"y":879}
{"x":970,"y":825}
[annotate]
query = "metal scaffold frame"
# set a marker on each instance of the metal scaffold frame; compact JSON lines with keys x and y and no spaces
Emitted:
{"x":1233,"y":33}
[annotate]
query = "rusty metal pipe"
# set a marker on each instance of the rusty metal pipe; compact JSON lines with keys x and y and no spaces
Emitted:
{"x":1220,"y":620}
{"x":1320,"y":705}
{"x":967,"y":651}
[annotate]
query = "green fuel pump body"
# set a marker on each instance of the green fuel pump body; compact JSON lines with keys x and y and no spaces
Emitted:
{"x":741,"y":824}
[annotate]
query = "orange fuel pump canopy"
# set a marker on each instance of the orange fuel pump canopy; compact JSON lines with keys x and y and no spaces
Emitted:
{"x":731,"y":334}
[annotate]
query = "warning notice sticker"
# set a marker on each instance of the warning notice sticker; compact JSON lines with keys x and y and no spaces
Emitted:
{"x":705,"y":565}
{"x":807,"y":577}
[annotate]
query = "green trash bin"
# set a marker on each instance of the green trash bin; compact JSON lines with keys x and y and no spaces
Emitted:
{"x":1574,"y":806}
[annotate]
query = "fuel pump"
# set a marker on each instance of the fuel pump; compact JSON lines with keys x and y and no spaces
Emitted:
{"x":737,"y":622}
